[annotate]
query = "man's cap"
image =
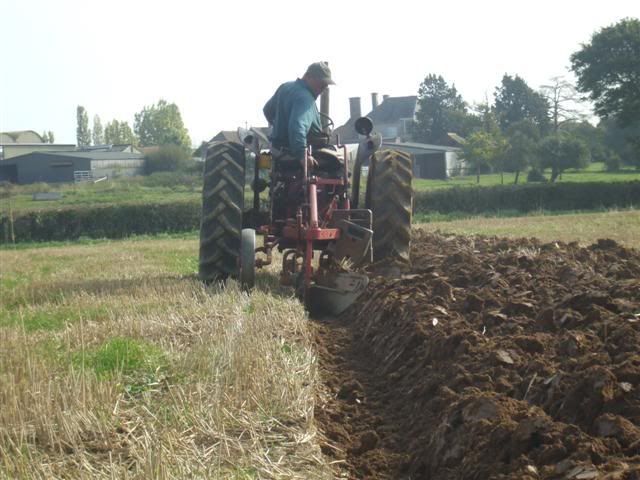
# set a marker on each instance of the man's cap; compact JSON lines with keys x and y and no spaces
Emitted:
{"x":321,"y":71}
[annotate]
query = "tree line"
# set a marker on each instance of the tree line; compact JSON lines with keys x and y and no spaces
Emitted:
{"x":521,"y":128}
{"x":159,"y":124}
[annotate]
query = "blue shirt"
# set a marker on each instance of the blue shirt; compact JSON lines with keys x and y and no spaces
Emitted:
{"x":293,"y":113}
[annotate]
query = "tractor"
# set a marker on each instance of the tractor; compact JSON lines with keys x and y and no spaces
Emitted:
{"x":313,"y":214}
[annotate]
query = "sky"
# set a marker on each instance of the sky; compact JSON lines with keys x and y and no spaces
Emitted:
{"x":221,"y":61}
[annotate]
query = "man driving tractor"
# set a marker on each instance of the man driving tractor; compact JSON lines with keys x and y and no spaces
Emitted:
{"x":294,"y":116}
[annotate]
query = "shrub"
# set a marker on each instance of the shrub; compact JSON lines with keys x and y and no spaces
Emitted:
{"x":613,"y":162}
{"x":114,"y":221}
{"x":172,"y":179}
{"x":527,"y":198}
{"x":536,"y":175}
{"x":168,"y":158}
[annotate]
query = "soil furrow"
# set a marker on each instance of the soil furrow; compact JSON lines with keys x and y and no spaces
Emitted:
{"x":488,"y":359}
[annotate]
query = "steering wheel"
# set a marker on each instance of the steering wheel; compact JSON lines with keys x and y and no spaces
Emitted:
{"x":330,"y":123}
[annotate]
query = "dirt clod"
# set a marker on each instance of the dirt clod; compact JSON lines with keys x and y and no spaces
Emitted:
{"x":532,"y":369}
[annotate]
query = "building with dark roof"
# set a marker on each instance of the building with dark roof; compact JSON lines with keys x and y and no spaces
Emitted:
{"x":122,"y":147}
{"x":70,"y":166}
{"x":392,"y":118}
{"x":15,"y":144}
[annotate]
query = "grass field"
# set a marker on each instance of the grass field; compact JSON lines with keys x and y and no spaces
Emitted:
{"x":116,"y":363}
{"x":586,"y":228}
{"x":133,"y":190}
{"x":595,"y":172}
{"x":163,"y":188}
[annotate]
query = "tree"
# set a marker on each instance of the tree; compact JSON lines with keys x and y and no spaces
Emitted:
{"x":118,"y":133}
{"x":83,"y":134}
{"x":563,"y":99}
{"x":98,"y":131}
{"x":45,"y":137}
{"x":591,"y":136}
{"x":624,"y":142}
{"x":482,"y":150}
{"x":161,"y":124}
{"x":516,"y":101}
{"x":441,"y":110}
{"x":522,"y":138}
{"x":608,"y":70}
{"x":562,"y":151}
{"x":51,"y":137}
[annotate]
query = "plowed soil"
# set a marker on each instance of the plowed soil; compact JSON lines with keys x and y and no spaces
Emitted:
{"x":488,"y":359}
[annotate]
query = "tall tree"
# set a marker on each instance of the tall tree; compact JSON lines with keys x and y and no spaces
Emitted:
{"x":564,"y":101}
{"x":608,"y":70}
{"x":83,"y":134}
{"x":98,"y":131}
{"x":441,"y":110}
{"x":516,"y":101}
{"x":621,"y":141}
{"x":522,"y":138}
{"x":562,"y":151}
{"x":591,"y":136}
{"x":45,"y":137}
{"x":161,"y":124}
{"x":116,"y":132}
{"x":51,"y":137}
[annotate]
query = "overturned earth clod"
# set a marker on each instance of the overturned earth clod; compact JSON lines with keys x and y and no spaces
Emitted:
{"x":488,"y":358}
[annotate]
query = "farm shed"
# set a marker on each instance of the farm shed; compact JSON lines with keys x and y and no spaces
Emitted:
{"x":52,"y":167}
{"x":430,"y":161}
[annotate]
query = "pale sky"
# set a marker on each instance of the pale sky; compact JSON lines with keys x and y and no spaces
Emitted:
{"x":220,"y":61}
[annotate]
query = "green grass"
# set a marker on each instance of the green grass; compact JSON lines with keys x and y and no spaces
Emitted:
{"x":111,"y":348}
{"x":126,"y":356}
{"x":162,"y":189}
{"x":595,"y":172}
{"x":49,"y":317}
{"x":98,"y":241}
{"x":585,"y":228}
{"x":135,"y":190}
{"x":436,"y":217}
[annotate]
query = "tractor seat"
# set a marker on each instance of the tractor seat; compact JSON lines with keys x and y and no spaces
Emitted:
{"x":329,"y":159}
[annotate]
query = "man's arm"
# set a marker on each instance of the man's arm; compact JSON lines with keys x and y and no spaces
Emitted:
{"x":269,"y":109}
{"x":302,"y":116}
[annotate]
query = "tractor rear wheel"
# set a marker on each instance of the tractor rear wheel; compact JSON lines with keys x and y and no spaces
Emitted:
{"x":390,"y":197}
{"x":222,"y":207}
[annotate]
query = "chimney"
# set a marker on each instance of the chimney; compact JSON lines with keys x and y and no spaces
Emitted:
{"x":385,"y":97}
{"x":354,"y":107}
{"x":374,"y":100}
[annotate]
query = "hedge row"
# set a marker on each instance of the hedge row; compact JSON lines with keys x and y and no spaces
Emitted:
{"x":529,"y":197}
{"x":114,"y":221}
{"x":118,"y":221}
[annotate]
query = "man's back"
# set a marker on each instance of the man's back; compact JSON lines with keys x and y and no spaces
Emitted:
{"x":293,"y":113}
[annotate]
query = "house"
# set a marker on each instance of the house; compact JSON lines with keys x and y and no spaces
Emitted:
{"x":392,"y":118}
{"x":15,"y":144}
{"x":70,"y":166}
